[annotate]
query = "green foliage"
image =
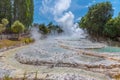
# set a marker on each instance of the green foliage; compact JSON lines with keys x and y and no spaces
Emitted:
{"x":99,"y":22}
{"x":1,"y":28}
{"x":59,"y":30}
{"x":23,"y":11}
{"x":44,"y":30}
{"x":28,"y":40}
{"x":5,"y":22}
{"x":54,"y":28}
{"x":50,"y":28}
{"x":6,"y":10}
{"x":112,"y":28}
{"x":96,"y":18}
{"x":3,"y":25}
{"x":18,"y":27}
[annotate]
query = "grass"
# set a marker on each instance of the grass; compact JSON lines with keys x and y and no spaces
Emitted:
{"x":117,"y":77}
{"x":7,"y":77}
{"x":8,"y":43}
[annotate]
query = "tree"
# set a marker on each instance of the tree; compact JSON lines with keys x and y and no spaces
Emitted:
{"x":6,"y":10}
{"x":44,"y":30}
{"x":3,"y":26}
{"x":1,"y":29}
{"x":5,"y":22}
{"x":59,"y":30}
{"x":112,"y":28}
{"x":23,"y":11}
{"x":54,"y":28}
{"x":50,"y":28}
{"x":96,"y":18}
{"x":18,"y":28}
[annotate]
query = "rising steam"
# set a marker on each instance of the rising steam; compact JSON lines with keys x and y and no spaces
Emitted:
{"x":62,"y":16}
{"x":35,"y":33}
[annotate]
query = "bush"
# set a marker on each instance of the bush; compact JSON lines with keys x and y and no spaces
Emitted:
{"x":17,"y":27}
{"x":44,"y":30}
{"x":112,"y":28}
{"x":28,"y":40}
{"x":50,"y":28}
{"x":55,"y":28}
{"x":5,"y":22}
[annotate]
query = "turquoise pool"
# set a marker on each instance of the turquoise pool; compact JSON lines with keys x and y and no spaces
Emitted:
{"x":108,"y":49}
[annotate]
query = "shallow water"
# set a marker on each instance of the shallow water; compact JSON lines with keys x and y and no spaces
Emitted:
{"x":19,"y":69}
{"x":109,"y":49}
{"x":50,"y":50}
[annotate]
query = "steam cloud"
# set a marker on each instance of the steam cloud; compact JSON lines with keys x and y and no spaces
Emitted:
{"x":35,"y":34}
{"x":65,"y":18}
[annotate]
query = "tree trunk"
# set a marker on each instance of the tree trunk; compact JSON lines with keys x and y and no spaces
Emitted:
{"x":1,"y":36}
{"x":19,"y":36}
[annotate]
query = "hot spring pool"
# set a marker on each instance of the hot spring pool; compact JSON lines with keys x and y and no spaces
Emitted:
{"x":108,"y":49}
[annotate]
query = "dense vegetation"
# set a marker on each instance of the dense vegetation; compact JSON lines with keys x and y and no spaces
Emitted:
{"x":3,"y":24}
{"x":99,"y":22}
{"x":6,"y":10}
{"x":16,"y":16}
{"x":112,"y":28}
{"x":21,"y":10}
{"x":50,"y":28}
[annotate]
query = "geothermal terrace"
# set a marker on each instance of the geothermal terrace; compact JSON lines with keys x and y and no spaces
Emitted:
{"x":61,"y":59}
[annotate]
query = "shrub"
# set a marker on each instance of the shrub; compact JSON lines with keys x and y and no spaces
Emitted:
{"x":44,"y":30}
{"x":112,"y":28}
{"x":28,"y":40}
{"x":18,"y":28}
{"x":5,"y":22}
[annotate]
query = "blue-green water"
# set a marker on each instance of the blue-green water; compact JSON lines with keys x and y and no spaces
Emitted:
{"x":109,"y":49}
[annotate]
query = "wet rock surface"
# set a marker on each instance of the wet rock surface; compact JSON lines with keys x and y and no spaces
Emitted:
{"x":65,"y":54}
{"x":69,"y":77}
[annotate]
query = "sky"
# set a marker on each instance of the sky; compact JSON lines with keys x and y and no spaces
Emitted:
{"x":65,"y":11}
